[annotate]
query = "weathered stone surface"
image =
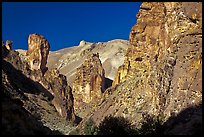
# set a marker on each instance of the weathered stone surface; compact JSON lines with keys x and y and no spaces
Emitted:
{"x":89,"y":81}
{"x":69,"y":59}
{"x":9,"y":44}
{"x":51,"y":81}
{"x":63,"y":99}
{"x":25,"y":107}
{"x":162,"y":70}
{"x":166,"y":45}
{"x":38,"y":50}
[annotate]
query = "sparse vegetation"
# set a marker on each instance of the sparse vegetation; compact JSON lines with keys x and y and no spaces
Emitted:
{"x":75,"y":132}
{"x":90,"y":128}
{"x":116,"y":126}
{"x":151,"y":125}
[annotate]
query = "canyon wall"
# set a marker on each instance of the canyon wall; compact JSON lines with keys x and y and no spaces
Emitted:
{"x":162,"y":71}
{"x":166,"y":48}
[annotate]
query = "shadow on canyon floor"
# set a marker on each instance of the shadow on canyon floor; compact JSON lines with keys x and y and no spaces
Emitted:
{"x":187,"y":122}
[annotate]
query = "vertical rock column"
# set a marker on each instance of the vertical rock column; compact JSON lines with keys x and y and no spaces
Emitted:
{"x":38,"y":50}
{"x":89,"y":80}
{"x":9,"y":44}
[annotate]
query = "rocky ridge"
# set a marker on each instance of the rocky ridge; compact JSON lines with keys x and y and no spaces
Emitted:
{"x":68,"y":60}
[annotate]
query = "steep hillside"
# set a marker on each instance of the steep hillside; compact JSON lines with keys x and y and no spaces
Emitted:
{"x":42,"y":104}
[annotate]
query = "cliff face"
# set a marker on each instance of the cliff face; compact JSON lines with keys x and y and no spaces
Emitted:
{"x":89,"y":81}
{"x":167,"y":50}
{"x":162,"y":70}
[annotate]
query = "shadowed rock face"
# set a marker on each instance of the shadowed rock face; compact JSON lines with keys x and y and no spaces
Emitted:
{"x":38,"y":50}
{"x":89,"y":81}
{"x":63,"y":99}
{"x":51,"y":81}
{"x":24,"y":104}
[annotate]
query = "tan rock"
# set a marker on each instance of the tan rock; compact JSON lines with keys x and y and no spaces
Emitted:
{"x":63,"y":99}
{"x":162,"y":70}
{"x":89,"y":81}
{"x":9,"y":44}
{"x":38,"y":50}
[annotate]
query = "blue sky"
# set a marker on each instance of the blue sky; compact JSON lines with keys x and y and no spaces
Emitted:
{"x":65,"y":24}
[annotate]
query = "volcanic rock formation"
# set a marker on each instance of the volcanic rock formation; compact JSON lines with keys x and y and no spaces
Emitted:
{"x":63,"y":99}
{"x":167,"y":49}
{"x":69,"y":59}
{"x":38,"y":50}
{"x":89,"y":83}
{"x":161,"y":74}
{"x":50,"y":82}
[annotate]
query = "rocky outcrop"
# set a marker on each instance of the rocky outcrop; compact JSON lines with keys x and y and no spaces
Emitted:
{"x":171,"y":52}
{"x":50,"y":82}
{"x":63,"y":99}
{"x":20,"y":113}
{"x":89,"y":81}
{"x":69,"y":59}
{"x":38,"y":50}
{"x":166,"y":47}
{"x":9,"y":44}
{"x":161,"y":74}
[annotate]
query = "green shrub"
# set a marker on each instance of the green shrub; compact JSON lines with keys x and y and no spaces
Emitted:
{"x":115,"y":126}
{"x":151,"y":125}
{"x":90,"y":128}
